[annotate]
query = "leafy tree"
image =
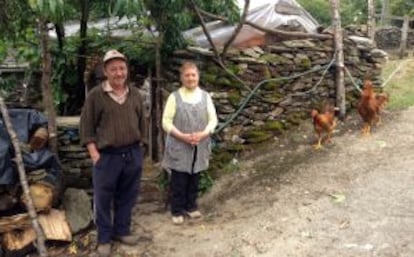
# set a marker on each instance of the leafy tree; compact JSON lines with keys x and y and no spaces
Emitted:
{"x":402,"y":7}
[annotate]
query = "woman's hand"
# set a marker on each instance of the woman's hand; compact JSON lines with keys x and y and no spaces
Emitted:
{"x":197,"y":137}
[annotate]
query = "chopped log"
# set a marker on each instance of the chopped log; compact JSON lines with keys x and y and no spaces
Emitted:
{"x":18,"y":221}
{"x":54,"y":225}
{"x":68,"y":121}
{"x":42,"y":195}
{"x":39,"y":139}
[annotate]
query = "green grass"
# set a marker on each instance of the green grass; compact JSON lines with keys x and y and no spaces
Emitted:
{"x":401,"y":85}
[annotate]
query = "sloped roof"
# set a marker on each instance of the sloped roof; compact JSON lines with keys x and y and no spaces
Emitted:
{"x":269,"y":14}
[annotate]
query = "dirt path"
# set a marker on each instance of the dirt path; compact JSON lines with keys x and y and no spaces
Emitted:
{"x":353,"y":198}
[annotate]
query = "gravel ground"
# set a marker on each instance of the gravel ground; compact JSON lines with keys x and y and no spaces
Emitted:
{"x":355,"y":197}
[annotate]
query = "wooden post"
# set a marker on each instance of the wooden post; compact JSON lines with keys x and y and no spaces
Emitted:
{"x":339,"y":53}
{"x":371,"y":20}
{"x":404,"y":36}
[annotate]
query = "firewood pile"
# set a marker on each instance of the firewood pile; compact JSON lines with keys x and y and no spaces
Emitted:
{"x":43,"y":176}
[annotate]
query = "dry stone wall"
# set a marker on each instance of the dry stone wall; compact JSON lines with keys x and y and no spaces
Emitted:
{"x":389,"y":38}
{"x":279,"y":103}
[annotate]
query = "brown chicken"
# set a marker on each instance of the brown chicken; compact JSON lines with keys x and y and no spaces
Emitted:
{"x":370,"y":106}
{"x":323,"y":122}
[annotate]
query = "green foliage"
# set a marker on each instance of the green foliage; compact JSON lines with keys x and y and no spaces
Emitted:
{"x":319,"y":9}
{"x":205,"y":183}
{"x":15,"y":17}
{"x":400,"y":87}
{"x":352,"y":11}
{"x":402,"y":7}
{"x":52,"y":10}
{"x":127,"y":8}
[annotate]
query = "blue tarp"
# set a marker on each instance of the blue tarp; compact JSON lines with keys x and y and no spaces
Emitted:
{"x":25,"y":122}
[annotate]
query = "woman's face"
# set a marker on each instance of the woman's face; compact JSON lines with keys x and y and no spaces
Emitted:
{"x":190,"y":78}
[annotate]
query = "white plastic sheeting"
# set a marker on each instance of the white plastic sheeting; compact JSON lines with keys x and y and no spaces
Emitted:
{"x":269,"y":14}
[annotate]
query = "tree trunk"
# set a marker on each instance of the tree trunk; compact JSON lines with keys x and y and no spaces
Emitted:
{"x":371,"y":20}
{"x":79,"y":96}
{"x":385,"y":12}
{"x":46,"y":89}
{"x":156,"y":107}
{"x":339,"y":54}
{"x":41,"y":248}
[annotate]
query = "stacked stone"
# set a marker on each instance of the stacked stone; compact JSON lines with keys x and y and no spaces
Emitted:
{"x":389,"y":38}
{"x":285,"y":99}
{"x":76,"y":164}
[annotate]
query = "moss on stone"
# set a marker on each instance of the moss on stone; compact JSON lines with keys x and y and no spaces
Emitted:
{"x":273,"y":125}
{"x":212,"y":69}
{"x":273,"y":59}
{"x":257,"y":136}
{"x":234,"y":98}
{"x":305,"y":63}
{"x":234,"y":68}
{"x":224,"y":82}
{"x":219,"y":160}
{"x":271,"y":85}
{"x":297,"y":117}
{"x":235,"y":148}
{"x":209,"y":78}
{"x":274,"y":97}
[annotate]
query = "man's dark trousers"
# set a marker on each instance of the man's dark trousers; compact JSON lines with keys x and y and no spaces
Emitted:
{"x":116,"y":177}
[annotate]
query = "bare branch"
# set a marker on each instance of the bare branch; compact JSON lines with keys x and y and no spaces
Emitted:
{"x":238,"y":28}
{"x":203,"y":25}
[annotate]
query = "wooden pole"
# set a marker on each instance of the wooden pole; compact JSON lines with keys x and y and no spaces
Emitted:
{"x":40,"y":239}
{"x":339,"y":54}
{"x":404,"y":36}
{"x":371,"y":20}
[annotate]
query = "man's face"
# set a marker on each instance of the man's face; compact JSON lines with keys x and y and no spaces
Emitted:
{"x":190,"y":78}
{"x":116,"y":71}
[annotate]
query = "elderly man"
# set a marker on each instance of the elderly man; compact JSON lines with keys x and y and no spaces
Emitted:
{"x":113,"y":128}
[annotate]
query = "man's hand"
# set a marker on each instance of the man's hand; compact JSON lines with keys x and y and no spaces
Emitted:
{"x":93,"y":152}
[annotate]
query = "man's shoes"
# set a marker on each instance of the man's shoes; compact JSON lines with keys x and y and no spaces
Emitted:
{"x":104,"y":250}
{"x":127,"y":240}
{"x":194,"y":214}
{"x":178,"y":220}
